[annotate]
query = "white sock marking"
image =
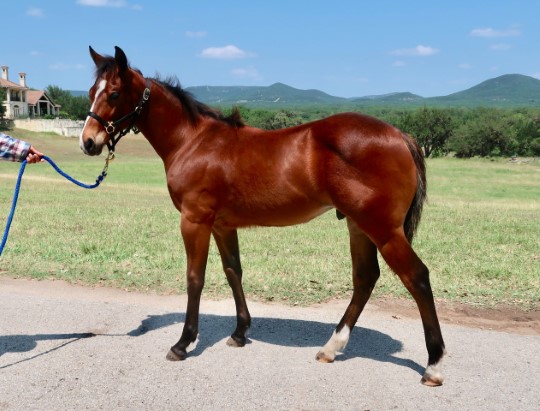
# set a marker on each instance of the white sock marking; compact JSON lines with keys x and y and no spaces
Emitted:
{"x":336,"y":343}
{"x":434,"y":372}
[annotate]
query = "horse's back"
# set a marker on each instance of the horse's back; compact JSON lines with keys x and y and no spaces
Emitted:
{"x":350,"y":133}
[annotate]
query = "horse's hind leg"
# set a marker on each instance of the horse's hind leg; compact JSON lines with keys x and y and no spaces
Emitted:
{"x":402,"y":259}
{"x":227,"y":242}
{"x":365,"y":275}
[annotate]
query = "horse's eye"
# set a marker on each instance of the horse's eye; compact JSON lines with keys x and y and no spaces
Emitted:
{"x":114,"y":95}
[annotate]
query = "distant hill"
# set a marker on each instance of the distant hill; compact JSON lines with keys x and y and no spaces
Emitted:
{"x":78,"y":93}
{"x":510,"y":90}
{"x":278,"y":95}
{"x":392,"y":98}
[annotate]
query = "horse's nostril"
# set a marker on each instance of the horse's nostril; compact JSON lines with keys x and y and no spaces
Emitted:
{"x":89,"y":145}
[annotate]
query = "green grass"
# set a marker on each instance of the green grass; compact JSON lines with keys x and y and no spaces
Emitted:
{"x":480,"y":234}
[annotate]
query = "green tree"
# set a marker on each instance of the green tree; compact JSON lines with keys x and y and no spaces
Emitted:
{"x":430,"y":127}
{"x":488,"y":132}
{"x":75,"y":108}
{"x":526,"y":133}
{"x":282,"y":119}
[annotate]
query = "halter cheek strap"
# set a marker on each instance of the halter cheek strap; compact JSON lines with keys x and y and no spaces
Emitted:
{"x":110,"y":126}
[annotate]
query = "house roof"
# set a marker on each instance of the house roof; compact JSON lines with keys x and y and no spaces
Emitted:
{"x":33,"y":96}
{"x":12,"y":85}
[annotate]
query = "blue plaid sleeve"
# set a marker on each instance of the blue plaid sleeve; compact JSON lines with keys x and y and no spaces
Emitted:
{"x":12,"y":149}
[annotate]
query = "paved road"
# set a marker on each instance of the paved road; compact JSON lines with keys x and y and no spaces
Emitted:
{"x":66,"y":347}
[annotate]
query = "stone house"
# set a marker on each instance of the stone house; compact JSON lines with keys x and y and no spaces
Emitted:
{"x":22,"y":102}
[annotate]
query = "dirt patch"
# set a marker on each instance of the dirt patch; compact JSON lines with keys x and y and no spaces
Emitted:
{"x":500,"y":318}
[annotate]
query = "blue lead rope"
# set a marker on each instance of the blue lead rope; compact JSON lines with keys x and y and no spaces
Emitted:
{"x":62,"y":173}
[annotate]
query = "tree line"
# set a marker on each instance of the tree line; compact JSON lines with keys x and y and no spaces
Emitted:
{"x":463,"y":132}
{"x":72,"y":107}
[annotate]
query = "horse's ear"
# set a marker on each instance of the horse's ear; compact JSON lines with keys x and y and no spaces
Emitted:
{"x":95,"y":56}
{"x":121,"y":59}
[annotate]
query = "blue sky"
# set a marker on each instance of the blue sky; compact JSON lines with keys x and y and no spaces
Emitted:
{"x":345,"y":48}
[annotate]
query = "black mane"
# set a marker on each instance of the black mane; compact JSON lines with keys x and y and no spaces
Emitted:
{"x":193,"y":107}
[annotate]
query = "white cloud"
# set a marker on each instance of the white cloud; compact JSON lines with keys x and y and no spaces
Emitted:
{"x":536,"y":75}
{"x":103,"y":3}
{"x":465,"y":66}
{"x":63,"y":66}
{"x":225,"y":53}
{"x":399,"y":63}
{"x":488,"y":32}
{"x":249,"y":72}
{"x":500,"y":47}
{"x":419,"y":50}
{"x":201,"y":33}
{"x":35,"y":53}
{"x":35,"y":12}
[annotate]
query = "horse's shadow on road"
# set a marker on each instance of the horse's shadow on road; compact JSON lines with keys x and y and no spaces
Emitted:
{"x":364,"y":342}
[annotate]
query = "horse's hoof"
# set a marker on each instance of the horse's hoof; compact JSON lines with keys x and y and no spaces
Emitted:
{"x":176,"y":355}
{"x":433,"y":376}
{"x":324,"y":357}
{"x":236,"y":341}
{"x":432,"y":382}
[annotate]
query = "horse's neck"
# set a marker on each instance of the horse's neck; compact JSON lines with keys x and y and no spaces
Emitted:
{"x":163,"y":125}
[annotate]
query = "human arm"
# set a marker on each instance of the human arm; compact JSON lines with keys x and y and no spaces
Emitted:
{"x":12,"y":149}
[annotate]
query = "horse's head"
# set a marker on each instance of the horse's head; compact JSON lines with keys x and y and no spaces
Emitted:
{"x":116,"y":102}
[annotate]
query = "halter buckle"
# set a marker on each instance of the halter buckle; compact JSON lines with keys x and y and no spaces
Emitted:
{"x":110,"y":128}
{"x":146,"y":94}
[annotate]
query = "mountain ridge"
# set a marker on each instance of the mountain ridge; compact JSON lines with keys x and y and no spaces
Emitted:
{"x":506,"y":91}
{"x":509,"y":90}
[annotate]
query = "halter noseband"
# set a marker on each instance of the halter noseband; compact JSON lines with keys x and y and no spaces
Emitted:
{"x":110,"y":126}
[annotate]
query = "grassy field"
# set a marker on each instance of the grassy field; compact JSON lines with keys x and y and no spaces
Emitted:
{"x":480,"y":234}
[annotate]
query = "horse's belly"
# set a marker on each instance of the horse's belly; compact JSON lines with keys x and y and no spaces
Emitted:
{"x":271,"y":217}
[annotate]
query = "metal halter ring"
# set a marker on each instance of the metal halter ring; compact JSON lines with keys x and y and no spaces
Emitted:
{"x":110,"y":128}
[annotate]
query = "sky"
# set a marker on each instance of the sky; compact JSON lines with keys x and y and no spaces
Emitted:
{"x":348,"y":48}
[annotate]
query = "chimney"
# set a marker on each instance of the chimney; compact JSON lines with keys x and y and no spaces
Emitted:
{"x":5,"y":72}
{"x":22,"y":79}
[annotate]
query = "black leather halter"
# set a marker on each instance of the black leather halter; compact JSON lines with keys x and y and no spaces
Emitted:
{"x":110,"y":126}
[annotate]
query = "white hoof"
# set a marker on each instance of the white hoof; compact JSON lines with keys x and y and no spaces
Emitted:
{"x":433,"y":376}
{"x":335,"y":344}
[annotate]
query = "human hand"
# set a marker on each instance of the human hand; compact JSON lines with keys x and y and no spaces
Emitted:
{"x":34,"y":156}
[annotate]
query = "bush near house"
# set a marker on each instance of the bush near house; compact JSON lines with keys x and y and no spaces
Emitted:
{"x":3,"y":122}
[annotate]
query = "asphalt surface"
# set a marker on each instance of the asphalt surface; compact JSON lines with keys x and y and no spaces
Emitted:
{"x":65,"y":347}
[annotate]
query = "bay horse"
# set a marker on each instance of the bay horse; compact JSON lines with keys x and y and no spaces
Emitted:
{"x":223,"y":175}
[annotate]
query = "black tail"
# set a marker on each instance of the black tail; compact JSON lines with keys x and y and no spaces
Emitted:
{"x":415,"y":211}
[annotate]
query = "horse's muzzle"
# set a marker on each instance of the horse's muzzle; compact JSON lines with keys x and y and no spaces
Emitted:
{"x":91,"y":148}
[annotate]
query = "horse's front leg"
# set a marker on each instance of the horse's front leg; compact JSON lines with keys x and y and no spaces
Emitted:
{"x":196,"y":241}
{"x":227,"y":242}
